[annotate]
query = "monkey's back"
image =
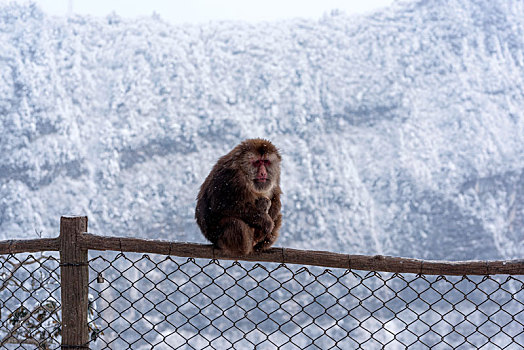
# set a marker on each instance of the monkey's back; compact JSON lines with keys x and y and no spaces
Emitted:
{"x":219,"y":197}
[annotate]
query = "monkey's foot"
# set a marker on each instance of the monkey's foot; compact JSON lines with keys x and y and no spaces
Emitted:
{"x":266,"y":243}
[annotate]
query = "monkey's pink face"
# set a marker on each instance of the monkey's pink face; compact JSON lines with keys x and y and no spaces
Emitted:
{"x":263,"y":170}
{"x":261,"y":166}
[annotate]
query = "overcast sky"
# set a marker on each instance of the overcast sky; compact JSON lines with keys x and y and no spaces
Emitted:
{"x":182,"y":11}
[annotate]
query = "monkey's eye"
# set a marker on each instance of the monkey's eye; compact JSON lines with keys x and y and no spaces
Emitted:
{"x":260,"y":162}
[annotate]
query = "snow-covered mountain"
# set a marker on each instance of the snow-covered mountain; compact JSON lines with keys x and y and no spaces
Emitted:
{"x":402,"y":131}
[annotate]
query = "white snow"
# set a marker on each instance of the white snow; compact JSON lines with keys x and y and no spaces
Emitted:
{"x":402,"y":131}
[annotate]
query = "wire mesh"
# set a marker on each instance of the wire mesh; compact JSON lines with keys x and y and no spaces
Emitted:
{"x":29,"y":301}
{"x":150,"y":301}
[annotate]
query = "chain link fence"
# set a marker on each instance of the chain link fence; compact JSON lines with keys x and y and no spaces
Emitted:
{"x":30,"y":308}
{"x":29,"y":301}
{"x":153,"y":301}
{"x":174,"y":303}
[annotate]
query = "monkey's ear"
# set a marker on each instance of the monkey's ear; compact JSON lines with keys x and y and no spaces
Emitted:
{"x":236,"y":158}
{"x":239,"y":152}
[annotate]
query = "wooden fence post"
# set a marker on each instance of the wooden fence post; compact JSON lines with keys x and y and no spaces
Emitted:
{"x":74,"y":272}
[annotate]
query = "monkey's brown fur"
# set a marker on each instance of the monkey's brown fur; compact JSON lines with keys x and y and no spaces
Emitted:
{"x":238,"y":210}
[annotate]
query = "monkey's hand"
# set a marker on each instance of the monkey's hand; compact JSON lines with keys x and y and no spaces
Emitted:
{"x":258,"y":218}
{"x":265,"y":226}
{"x":268,"y":240}
{"x":263,"y":204}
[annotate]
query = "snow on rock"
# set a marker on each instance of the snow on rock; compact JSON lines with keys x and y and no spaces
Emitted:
{"x":402,"y":131}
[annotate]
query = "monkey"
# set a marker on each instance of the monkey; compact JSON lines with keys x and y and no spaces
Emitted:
{"x":238,"y":205}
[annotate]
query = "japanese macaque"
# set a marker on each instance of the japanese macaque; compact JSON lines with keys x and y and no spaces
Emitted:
{"x":238,"y":206}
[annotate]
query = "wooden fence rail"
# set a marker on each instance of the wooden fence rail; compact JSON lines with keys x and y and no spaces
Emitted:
{"x":379,"y":263}
{"x":74,"y":243}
